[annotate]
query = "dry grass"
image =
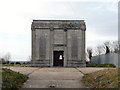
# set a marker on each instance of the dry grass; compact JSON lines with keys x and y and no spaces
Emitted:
{"x":108,"y":78}
{"x":12,"y":80}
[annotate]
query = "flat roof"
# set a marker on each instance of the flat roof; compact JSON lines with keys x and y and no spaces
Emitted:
{"x":61,"y":20}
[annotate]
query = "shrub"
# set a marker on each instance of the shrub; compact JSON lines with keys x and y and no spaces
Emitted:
{"x":18,"y":63}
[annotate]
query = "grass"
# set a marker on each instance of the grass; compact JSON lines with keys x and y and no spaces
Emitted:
{"x":24,"y":64}
{"x":100,"y":65}
{"x":107,"y":78}
{"x":7,"y":64}
{"x":11,"y":79}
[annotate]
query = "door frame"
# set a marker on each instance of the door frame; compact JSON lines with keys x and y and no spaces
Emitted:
{"x":54,"y":58}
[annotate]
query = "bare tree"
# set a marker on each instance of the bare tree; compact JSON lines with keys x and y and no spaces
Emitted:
{"x":7,"y":57}
{"x":89,"y":52}
{"x":2,"y":61}
{"x":99,"y":50}
{"x":115,"y":47}
{"x":107,"y":47}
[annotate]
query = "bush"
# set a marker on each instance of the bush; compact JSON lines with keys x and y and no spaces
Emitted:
{"x":100,"y":65}
{"x":18,"y":63}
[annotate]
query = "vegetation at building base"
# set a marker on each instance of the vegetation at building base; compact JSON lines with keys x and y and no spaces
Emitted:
{"x":12,"y":80}
{"x":100,"y":65}
{"x":23,"y":64}
{"x":107,"y":78}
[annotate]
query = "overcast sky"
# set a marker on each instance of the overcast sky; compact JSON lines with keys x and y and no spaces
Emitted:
{"x":16,"y":16}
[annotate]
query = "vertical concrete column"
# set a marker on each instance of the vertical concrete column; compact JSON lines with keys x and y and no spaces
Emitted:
{"x":37,"y":44}
{"x":69,"y":33}
{"x":51,"y":45}
{"x":79,"y":35}
{"x":83,"y":46}
{"x":65,"y":48}
{"x":33,"y":44}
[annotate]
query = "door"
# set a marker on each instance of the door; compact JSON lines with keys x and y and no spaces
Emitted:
{"x":58,"y":58}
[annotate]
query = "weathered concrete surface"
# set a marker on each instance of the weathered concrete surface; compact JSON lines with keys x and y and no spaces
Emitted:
{"x":89,"y":70}
{"x":23,"y":70}
{"x":54,"y":77}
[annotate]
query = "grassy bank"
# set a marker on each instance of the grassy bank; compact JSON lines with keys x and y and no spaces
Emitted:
{"x":11,"y":79}
{"x":100,"y":65}
{"x":107,"y":78}
{"x":26,"y":64}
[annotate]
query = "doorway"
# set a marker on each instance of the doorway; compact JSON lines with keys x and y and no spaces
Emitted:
{"x":58,"y":58}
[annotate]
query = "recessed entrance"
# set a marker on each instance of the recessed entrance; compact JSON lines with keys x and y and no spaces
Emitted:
{"x":58,"y":58}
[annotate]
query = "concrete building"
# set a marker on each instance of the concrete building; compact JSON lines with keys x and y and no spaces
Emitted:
{"x":58,"y":43}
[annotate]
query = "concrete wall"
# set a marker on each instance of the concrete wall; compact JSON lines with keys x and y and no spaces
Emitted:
{"x":58,"y":35}
{"x":110,"y":58}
